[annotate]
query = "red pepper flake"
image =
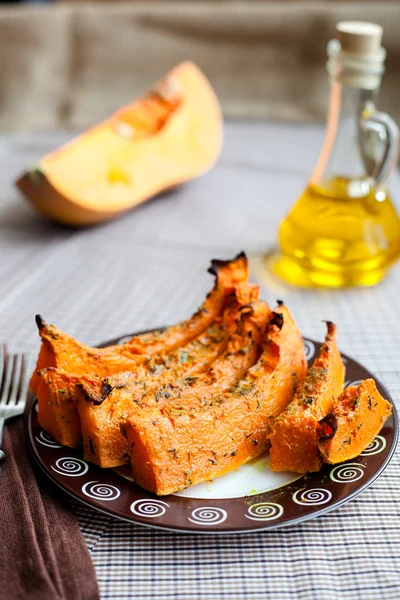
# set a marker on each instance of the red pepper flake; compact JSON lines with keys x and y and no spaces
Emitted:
{"x":327,"y":427}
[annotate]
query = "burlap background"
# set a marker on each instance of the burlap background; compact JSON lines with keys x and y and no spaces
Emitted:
{"x":69,"y":65}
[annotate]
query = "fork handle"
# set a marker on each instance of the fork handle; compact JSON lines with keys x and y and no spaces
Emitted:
{"x":2,"y":454}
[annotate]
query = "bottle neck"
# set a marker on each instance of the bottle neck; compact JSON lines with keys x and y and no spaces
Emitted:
{"x":343,"y":153}
{"x":350,"y":102}
{"x":359,"y":71}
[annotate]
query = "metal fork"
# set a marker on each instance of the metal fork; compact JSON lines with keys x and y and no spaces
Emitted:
{"x":14,"y":381}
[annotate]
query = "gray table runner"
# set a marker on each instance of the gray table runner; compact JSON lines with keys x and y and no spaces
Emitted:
{"x":149,"y":268}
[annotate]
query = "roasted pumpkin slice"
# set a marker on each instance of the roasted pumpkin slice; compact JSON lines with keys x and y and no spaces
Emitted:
{"x":171,"y":135}
{"x":57,"y":410}
{"x":359,"y":414}
{"x":294,"y":438}
{"x":175,"y":446}
{"x":63,"y":352}
{"x":58,"y":413}
{"x":101,"y":417}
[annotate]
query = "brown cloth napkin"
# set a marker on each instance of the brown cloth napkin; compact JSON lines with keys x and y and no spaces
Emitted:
{"x":43,"y":555}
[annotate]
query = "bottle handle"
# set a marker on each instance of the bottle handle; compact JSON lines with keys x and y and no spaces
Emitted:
{"x":381,"y":125}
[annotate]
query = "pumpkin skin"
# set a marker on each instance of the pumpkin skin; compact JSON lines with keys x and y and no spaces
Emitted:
{"x":358,"y":416}
{"x":172,"y":449}
{"x":171,"y":135}
{"x":61,"y":351}
{"x":294,"y":437}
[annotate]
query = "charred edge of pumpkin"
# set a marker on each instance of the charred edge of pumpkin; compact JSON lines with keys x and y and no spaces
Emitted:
{"x":217,"y":264}
{"x":331,"y":330}
{"x":40,"y":322}
{"x":244,"y":312}
{"x":46,"y":370}
{"x":327,"y":427}
{"x":106,"y":390}
{"x":122,"y":428}
{"x":231,"y":300}
{"x":277,"y":319}
{"x":246,"y":307}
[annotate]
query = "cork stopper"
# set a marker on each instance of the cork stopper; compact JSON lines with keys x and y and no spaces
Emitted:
{"x":359,"y":37}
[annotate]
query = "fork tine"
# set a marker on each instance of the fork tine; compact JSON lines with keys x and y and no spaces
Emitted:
{"x":3,"y":352}
{"x":24,"y":381}
{"x":6,"y":379}
{"x":15,"y":381}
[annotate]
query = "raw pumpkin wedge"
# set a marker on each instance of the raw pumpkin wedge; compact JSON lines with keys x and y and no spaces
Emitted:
{"x":169,"y":136}
{"x":63,"y":352}
{"x":358,"y":416}
{"x":294,"y":437}
{"x":183,"y":388}
{"x":56,"y":392}
{"x":175,"y":446}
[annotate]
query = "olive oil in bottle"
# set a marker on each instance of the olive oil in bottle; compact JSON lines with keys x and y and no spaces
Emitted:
{"x":344,"y":229}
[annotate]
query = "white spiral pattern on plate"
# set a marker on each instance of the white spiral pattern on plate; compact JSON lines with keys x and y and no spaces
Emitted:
{"x":46,"y":440}
{"x":313,"y":496}
{"x":100,"y":491}
{"x":36,"y":407}
{"x":149,"y":508}
{"x":208,"y":515}
{"x":309,"y":349}
{"x":376,"y":446}
{"x":70,"y":466}
{"x":352,"y":383}
{"x":264,"y":511}
{"x":347,"y":472}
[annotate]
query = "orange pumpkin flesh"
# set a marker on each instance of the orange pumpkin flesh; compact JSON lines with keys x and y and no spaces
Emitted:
{"x":63,"y":352}
{"x":57,"y":411}
{"x":358,"y":416}
{"x":294,"y":439}
{"x":184,"y":443}
{"x":102,"y":440}
{"x":57,"y":404}
{"x":169,"y":136}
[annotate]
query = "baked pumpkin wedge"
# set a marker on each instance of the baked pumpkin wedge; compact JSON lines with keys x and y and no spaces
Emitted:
{"x":294,"y":437}
{"x":175,"y":446}
{"x":101,"y":416}
{"x":56,"y":392}
{"x":358,"y":416}
{"x":57,"y":409}
{"x":61,"y":351}
{"x":169,"y":136}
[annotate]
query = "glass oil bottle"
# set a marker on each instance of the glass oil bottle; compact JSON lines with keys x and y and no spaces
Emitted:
{"x":344,"y":229}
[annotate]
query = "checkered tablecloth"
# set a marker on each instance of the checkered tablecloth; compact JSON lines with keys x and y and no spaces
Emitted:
{"x":148,"y":269}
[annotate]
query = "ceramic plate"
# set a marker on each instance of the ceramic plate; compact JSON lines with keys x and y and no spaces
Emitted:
{"x":251,"y":498}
